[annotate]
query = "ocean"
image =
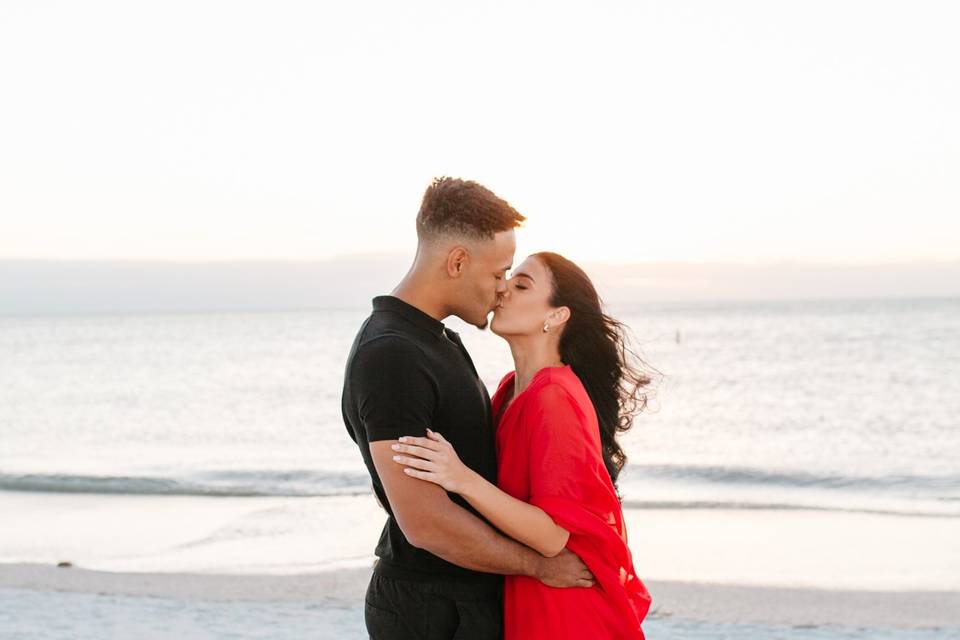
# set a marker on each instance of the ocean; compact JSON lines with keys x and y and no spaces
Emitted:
{"x":843,"y":405}
{"x":810,"y":444}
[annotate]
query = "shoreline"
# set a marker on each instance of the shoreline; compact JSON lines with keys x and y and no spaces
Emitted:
{"x":283,"y":536}
{"x":344,"y":588}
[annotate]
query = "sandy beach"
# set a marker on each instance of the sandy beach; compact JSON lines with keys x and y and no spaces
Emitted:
{"x":252,"y":566}
{"x":335,"y":598}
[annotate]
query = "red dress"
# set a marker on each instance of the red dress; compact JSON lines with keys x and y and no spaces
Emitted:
{"x":549,"y":455}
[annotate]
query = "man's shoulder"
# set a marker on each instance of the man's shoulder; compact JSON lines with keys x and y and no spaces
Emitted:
{"x":388,"y":343}
{"x":383,"y":331}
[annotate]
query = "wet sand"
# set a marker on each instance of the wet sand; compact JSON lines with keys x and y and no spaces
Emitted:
{"x":344,"y":588}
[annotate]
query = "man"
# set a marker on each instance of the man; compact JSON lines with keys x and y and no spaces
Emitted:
{"x":440,"y":565}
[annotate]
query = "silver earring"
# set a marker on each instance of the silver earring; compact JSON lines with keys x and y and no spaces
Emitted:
{"x":546,"y":327}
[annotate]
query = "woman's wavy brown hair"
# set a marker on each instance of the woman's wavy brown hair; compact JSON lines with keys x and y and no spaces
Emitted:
{"x":595,"y":345}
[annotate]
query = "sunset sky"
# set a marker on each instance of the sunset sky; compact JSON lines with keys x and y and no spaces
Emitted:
{"x":626,"y":132}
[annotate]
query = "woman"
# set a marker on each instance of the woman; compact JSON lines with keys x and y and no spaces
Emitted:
{"x":557,"y":418}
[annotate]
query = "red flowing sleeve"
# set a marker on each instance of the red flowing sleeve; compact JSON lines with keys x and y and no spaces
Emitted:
{"x":569,"y":481}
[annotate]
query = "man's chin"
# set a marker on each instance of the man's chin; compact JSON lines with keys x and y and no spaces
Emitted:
{"x":486,"y":322}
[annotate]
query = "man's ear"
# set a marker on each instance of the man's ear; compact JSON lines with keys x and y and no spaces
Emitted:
{"x":457,"y":261}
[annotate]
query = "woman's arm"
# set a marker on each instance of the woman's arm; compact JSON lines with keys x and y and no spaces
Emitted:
{"x":437,"y":462}
{"x":518,"y":519}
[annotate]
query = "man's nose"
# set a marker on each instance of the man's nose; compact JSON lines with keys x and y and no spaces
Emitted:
{"x":501,"y":287}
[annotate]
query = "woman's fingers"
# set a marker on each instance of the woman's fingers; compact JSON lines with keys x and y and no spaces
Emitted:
{"x":414,"y":462}
{"x":428,"y":454}
{"x":421,"y":442}
{"x":584,"y":583}
{"x":421,"y":475}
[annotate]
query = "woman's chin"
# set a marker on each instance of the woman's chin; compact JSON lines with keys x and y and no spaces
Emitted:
{"x":499,"y":328}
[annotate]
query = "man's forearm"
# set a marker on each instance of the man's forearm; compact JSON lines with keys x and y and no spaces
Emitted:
{"x":459,"y":537}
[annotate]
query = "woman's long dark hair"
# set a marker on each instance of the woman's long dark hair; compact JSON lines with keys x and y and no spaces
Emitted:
{"x":595,"y":346}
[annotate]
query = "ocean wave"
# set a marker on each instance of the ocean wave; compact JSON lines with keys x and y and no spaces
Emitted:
{"x":947,"y":483}
{"x":894,"y":495}
{"x":297,"y":483}
{"x":778,"y":506}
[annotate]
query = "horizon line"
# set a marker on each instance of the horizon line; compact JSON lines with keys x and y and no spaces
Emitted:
{"x":399,"y":254}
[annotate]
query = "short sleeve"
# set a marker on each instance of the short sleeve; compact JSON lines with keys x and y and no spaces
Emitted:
{"x":561,"y":455}
{"x":394,"y":391}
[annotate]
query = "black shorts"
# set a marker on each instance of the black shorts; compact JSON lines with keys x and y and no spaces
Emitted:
{"x":407,"y":610}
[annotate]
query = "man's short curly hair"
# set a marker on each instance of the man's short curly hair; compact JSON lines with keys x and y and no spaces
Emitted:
{"x":455,"y":207}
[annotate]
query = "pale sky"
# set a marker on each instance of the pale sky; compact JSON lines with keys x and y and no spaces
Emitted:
{"x":626,"y":132}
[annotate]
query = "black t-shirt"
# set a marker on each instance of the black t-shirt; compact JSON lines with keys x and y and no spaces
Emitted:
{"x":406,"y":371}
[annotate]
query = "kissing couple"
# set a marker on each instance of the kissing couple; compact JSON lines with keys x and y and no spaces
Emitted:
{"x":504,"y":518}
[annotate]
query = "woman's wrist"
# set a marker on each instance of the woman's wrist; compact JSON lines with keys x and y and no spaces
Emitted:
{"x":471,"y":484}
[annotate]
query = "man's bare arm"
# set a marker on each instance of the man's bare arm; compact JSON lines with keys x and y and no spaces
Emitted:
{"x":431,"y":521}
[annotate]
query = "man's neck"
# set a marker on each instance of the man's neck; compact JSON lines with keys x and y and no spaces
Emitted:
{"x":414,"y":292}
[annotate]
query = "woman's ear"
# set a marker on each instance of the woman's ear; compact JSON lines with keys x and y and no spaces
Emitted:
{"x":559,"y":316}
